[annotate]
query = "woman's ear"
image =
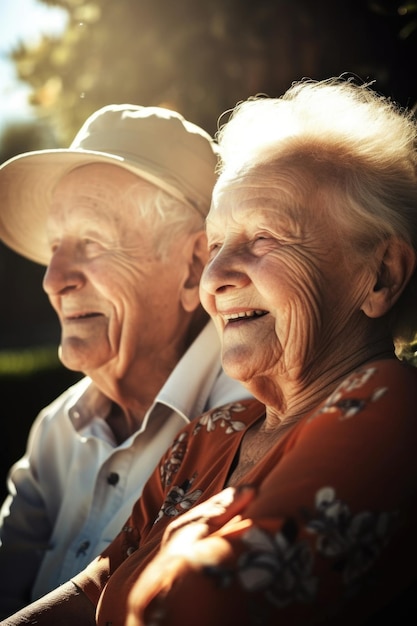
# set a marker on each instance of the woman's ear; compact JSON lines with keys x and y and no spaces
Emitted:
{"x":196,"y":251}
{"x":397,"y":261}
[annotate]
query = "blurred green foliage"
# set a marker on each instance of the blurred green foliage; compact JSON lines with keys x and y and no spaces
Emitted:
{"x":26,"y":361}
{"x":202,"y":57}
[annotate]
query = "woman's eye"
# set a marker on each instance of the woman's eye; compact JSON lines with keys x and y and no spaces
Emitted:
{"x":264,"y":235}
{"x":213,"y":249}
{"x":261,"y":239}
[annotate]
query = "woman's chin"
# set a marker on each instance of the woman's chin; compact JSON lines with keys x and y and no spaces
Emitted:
{"x":236,"y":364}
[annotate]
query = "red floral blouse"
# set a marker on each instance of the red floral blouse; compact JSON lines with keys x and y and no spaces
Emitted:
{"x":330,"y":533}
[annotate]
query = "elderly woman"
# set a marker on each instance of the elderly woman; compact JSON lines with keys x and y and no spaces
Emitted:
{"x":313,"y":237}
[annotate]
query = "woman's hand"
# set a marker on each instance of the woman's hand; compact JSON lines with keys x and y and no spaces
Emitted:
{"x":206,"y":518}
{"x":187,"y":545}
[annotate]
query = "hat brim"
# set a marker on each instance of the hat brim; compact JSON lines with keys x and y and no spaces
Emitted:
{"x":27,"y":183}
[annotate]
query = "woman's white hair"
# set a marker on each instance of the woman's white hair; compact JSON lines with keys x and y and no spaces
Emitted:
{"x":352,"y":147}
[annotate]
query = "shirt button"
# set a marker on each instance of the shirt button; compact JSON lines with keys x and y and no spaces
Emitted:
{"x":113,"y":479}
{"x":83,"y":548}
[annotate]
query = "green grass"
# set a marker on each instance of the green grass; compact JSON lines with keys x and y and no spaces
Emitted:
{"x":28,"y":360}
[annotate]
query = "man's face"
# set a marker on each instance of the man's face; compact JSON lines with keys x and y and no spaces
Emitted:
{"x":115,"y":298}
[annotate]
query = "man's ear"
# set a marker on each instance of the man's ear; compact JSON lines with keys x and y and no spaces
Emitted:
{"x":196,"y":252}
{"x":397,"y":261}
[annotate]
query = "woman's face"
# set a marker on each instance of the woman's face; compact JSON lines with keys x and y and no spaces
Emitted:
{"x":280,"y":283}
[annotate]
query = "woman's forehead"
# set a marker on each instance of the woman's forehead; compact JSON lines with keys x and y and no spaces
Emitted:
{"x":247,"y":206}
{"x":280,"y":188}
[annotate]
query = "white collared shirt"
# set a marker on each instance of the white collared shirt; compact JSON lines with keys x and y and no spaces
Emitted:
{"x":74,"y":488}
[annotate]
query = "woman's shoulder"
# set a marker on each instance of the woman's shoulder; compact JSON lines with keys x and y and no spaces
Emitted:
{"x":390,"y":375}
{"x":387,"y":387}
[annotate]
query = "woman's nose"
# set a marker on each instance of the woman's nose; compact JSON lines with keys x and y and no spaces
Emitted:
{"x":224,"y":271}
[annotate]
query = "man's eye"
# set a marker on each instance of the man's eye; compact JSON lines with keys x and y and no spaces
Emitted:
{"x":92,"y":242}
{"x":92,"y":246}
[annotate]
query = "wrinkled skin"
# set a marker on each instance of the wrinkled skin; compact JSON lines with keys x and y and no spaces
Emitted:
{"x":285,"y":291}
{"x":125,"y":312}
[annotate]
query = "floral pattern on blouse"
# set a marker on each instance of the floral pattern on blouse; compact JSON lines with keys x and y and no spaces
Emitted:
{"x":221,"y":417}
{"x":349,"y":406}
{"x":180,"y":498}
{"x":354,"y":541}
{"x":278,"y":566}
{"x":176,"y":455}
{"x":281,"y":565}
{"x":130,"y":540}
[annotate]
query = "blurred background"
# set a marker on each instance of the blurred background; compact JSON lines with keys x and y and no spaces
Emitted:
{"x":60,"y":60}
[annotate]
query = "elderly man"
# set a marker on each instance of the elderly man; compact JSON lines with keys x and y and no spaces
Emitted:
{"x":118,"y":221}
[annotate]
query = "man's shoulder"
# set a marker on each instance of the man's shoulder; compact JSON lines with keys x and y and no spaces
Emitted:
{"x":62,"y":404}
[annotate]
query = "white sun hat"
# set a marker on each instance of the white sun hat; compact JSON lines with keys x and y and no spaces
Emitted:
{"x":157,"y":144}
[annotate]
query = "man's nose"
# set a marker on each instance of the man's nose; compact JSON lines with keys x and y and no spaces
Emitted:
{"x":62,"y":273}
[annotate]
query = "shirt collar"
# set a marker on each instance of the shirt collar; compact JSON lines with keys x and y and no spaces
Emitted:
{"x":185,"y":391}
{"x":188,"y":387}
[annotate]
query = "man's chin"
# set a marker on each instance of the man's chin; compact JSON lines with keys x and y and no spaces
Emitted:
{"x":75,"y":355}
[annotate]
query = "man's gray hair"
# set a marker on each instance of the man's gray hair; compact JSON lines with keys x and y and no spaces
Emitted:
{"x":170,"y":217}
